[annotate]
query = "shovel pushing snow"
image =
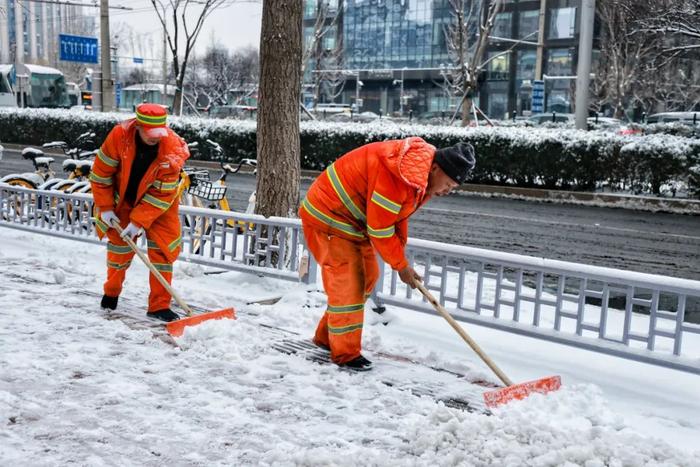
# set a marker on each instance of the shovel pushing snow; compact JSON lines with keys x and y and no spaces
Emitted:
{"x":176,"y":328}
{"x":511,"y":391}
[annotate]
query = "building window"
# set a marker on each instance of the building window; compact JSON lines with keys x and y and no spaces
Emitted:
{"x":310,"y":9}
{"x":525,"y":67}
{"x":502,"y":27}
{"x":559,"y":100}
{"x":308,"y":37}
{"x":559,"y":62}
{"x":498,"y":66}
{"x":328,"y":40}
{"x":498,"y":105}
{"x":562,"y":23}
{"x":528,"y":24}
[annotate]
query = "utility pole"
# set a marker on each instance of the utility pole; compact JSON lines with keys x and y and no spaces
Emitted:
{"x":165,"y":66}
{"x":585,"y":51}
{"x":106,"y":59}
{"x":32,"y":20}
{"x":539,"y":64}
{"x":19,"y":38}
{"x":358,"y":85}
{"x":402,"y":95}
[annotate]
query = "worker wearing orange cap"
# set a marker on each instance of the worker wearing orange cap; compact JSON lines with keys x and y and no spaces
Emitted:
{"x":134,"y":183}
{"x":359,"y":206}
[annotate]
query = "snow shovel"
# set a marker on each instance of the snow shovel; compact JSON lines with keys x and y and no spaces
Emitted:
{"x":511,"y":391}
{"x":176,"y":328}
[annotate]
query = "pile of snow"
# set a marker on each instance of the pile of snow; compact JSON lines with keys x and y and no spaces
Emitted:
{"x":78,"y":388}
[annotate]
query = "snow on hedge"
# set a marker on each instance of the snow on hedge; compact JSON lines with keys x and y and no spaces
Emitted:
{"x":560,"y":158}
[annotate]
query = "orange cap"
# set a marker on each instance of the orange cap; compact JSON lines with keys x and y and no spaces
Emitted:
{"x":151,"y":117}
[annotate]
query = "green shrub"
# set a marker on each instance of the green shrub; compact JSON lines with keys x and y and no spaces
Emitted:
{"x":556,"y":158}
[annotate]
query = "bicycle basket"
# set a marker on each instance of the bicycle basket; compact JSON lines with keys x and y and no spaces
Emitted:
{"x":197,"y":175}
{"x":207,"y":190}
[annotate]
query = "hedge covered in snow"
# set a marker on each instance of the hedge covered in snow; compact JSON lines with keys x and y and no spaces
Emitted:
{"x":527,"y":157}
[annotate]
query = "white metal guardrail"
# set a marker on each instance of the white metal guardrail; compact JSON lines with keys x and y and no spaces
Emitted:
{"x":233,"y":241}
{"x":642,"y":317}
{"x":638,"y":316}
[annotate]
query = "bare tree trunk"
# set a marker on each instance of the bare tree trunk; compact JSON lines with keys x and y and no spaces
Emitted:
{"x":278,"y":108}
{"x":466,"y":104}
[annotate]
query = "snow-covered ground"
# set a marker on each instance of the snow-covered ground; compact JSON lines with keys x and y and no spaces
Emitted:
{"x":76,"y":388}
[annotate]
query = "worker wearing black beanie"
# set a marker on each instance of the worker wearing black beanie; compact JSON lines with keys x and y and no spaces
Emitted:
{"x":456,"y":161}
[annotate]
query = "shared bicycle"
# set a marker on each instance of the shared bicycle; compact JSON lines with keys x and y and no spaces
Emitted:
{"x":199,"y":190}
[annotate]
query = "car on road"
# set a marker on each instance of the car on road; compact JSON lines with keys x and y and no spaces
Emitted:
{"x":613,"y":124}
{"x":688,"y":118}
{"x":362,"y":117}
{"x":233,"y":111}
{"x":551,"y":117}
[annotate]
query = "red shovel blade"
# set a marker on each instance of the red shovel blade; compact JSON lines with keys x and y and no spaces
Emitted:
{"x":176,"y":328}
{"x":521,"y":391}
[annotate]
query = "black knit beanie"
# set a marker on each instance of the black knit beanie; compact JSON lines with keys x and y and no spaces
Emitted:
{"x":456,"y":161}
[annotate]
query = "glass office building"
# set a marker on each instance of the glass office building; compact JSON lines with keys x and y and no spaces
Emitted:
{"x":398,"y":49}
{"x":393,"y":34}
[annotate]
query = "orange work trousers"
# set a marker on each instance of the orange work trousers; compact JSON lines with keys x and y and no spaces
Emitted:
{"x":349,"y":271}
{"x":119,"y":256}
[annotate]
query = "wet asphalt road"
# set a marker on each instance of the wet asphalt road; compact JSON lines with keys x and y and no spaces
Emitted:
{"x":658,"y":243}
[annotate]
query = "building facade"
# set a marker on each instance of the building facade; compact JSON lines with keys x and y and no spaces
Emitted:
{"x":29,"y":30}
{"x":396,"y":53}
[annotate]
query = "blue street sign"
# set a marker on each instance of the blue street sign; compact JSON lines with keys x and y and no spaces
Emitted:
{"x":118,"y":93}
{"x":138,"y":60}
{"x":77,"y":48}
{"x":537,"y":96}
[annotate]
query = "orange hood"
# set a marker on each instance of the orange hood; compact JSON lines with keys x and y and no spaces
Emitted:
{"x":410,"y":160}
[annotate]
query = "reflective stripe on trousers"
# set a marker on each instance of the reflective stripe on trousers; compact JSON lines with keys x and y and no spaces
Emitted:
{"x":119,"y":257}
{"x":349,"y":270}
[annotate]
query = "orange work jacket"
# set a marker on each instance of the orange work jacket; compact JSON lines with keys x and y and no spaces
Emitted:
{"x":156,"y":206}
{"x":370,"y":192}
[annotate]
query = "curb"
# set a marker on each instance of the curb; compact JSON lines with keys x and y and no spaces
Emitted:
{"x":611,"y":200}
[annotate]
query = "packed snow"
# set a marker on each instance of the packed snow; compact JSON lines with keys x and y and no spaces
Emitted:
{"x":77,"y":388}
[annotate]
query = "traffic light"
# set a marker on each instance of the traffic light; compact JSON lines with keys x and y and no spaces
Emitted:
{"x":86,"y":97}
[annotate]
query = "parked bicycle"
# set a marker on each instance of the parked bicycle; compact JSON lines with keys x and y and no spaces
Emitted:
{"x":198,"y":190}
{"x":43,"y":177}
{"x":78,"y":165}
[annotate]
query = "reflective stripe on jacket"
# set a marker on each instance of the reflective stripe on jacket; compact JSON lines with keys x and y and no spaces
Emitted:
{"x":156,"y":207}
{"x":370,"y":192}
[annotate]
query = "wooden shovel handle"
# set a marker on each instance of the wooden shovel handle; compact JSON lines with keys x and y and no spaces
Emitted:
{"x":153,"y":269}
{"x":463,"y":334}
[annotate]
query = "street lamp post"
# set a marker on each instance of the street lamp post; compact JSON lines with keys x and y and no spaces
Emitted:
{"x":106,"y":59}
{"x":358,"y":85}
{"x":584,"y":62}
{"x":401,"y":97}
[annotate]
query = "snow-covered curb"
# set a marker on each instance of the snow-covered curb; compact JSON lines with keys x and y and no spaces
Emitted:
{"x":602,"y":200}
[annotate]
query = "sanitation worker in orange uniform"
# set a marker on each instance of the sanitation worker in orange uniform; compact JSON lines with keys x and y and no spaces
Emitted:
{"x":134,"y":183}
{"x":359,"y":206}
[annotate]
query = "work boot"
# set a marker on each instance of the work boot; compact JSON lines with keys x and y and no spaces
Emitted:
{"x":166,"y":315}
{"x":109,"y":303}
{"x":357,"y":364}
